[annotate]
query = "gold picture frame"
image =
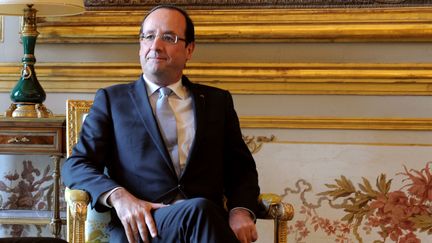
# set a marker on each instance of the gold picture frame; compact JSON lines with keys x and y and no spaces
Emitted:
{"x":242,"y":4}
{"x":233,"y":25}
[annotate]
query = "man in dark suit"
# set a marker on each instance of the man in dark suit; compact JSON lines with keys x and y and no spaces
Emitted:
{"x":159,"y":190}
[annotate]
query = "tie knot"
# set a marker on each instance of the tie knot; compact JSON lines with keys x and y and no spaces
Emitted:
{"x":165,"y":91}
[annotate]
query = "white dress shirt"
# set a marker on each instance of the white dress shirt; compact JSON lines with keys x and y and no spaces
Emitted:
{"x":181,"y":103}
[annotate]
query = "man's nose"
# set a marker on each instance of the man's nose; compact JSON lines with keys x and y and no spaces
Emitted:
{"x":157,"y":42}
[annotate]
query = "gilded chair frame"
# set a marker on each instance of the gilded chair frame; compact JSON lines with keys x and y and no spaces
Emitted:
{"x":76,"y":112}
{"x":78,"y":200}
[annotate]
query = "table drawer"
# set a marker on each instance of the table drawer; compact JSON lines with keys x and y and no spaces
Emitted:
{"x":34,"y":141}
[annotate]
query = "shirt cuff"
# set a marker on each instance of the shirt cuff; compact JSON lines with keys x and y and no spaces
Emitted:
{"x":247,"y":209}
{"x":103,"y":199}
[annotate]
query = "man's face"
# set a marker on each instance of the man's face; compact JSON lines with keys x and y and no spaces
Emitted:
{"x":161,"y":61}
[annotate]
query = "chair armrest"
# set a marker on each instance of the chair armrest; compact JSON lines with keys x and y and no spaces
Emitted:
{"x":77,"y":201}
{"x":272,"y":207}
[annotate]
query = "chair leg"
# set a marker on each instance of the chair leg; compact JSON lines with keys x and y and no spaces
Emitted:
{"x":280,"y":231}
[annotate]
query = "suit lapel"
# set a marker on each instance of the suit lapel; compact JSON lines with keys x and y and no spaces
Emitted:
{"x":138,"y":94}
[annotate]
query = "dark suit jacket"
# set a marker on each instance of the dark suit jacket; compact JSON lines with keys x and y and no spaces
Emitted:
{"x":121,"y":135}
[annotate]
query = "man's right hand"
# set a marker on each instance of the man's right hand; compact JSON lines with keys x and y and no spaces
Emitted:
{"x":135,"y":215}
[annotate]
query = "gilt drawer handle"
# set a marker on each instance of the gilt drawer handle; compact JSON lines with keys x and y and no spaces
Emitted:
{"x":19,"y":140}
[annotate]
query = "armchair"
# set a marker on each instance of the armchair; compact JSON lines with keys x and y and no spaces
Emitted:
{"x":78,"y":200}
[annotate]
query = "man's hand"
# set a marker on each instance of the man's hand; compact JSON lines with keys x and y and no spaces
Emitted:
{"x":243,"y":226}
{"x":135,"y":215}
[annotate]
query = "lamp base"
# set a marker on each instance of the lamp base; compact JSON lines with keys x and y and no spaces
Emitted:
{"x":28,"y":110}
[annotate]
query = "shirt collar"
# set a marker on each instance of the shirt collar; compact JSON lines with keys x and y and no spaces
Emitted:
{"x":178,"y":88}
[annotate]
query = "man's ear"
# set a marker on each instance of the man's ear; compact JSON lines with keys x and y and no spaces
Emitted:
{"x":190,"y":49}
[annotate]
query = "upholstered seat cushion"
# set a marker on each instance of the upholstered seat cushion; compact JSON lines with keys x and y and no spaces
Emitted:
{"x":31,"y":240}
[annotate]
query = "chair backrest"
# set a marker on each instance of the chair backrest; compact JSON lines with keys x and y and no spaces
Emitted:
{"x":76,"y":111}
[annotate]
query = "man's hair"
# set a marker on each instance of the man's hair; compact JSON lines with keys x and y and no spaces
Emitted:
{"x":190,"y":28}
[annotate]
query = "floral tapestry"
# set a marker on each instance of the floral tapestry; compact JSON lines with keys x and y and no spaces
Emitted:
{"x":26,"y":190}
{"x":398,"y":215}
{"x":350,"y":193}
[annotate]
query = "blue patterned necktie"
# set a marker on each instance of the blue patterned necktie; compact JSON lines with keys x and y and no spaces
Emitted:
{"x":168,"y":126}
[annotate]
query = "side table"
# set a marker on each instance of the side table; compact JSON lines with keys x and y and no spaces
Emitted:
{"x":37,"y":136}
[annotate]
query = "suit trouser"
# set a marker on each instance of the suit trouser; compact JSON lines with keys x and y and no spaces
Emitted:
{"x":195,"y":220}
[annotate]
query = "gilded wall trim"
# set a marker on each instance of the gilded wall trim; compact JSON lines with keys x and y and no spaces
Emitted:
{"x":288,"y":122}
{"x":1,"y":29}
{"x":253,"y":25}
{"x":243,"y":78}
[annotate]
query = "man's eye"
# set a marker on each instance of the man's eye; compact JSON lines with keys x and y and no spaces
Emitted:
{"x":169,"y":38}
{"x":150,"y":37}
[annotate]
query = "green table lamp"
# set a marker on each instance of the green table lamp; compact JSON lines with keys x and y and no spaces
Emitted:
{"x":28,"y":95}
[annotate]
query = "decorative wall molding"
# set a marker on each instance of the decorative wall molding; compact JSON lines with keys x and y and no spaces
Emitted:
{"x":287,"y":122}
{"x":253,"y":25}
{"x":243,"y":78}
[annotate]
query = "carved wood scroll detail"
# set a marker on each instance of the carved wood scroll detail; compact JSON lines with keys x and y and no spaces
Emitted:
{"x":255,"y":143}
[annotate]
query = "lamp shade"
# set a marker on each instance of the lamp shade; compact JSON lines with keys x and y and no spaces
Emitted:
{"x":43,"y":7}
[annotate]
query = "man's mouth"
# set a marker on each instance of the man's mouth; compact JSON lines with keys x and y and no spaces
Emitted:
{"x":157,"y":58}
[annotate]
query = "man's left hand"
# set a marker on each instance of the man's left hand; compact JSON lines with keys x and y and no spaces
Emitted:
{"x":243,"y":225}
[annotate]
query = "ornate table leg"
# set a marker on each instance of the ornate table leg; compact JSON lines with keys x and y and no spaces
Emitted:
{"x":56,"y":222}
